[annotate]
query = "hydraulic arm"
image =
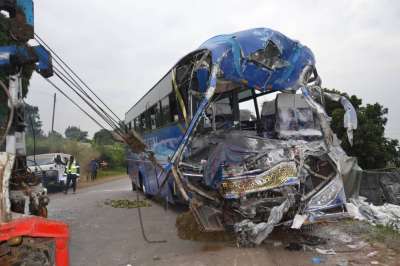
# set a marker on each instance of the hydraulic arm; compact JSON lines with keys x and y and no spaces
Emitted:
{"x":23,"y":200}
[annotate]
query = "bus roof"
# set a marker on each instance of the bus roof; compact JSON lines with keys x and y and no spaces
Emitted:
{"x":241,"y":54}
{"x":260,"y":58}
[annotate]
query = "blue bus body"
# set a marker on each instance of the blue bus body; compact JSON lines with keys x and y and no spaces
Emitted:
{"x":223,"y":72}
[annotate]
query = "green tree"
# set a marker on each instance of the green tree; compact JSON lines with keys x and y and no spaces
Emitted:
{"x":103,"y":137}
{"x":55,"y":135}
{"x":371,"y":147}
{"x":32,"y":120}
{"x":75,"y":133}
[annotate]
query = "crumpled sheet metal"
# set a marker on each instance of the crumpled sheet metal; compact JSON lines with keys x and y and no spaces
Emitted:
{"x":233,"y":147}
{"x":350,"y":121}
{"x":387,"y":214}
{"x":331,"y":195}
{"x":234,"y":50}
{"x":251,"y":233}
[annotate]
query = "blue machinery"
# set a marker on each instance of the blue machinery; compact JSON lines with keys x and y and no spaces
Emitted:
{"x":19,"y":23}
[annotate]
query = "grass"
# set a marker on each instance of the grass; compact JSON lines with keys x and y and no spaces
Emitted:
{"x":111,"y":172}
{"x":385,"y":234}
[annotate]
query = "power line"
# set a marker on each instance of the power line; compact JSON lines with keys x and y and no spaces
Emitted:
{"x":40,"y":40}
{"x":72,"y":101}
{"x":76,"y":84}
{"x":66,"y":81}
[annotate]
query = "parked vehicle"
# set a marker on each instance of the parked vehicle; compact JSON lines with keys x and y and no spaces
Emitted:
{"x":51,"y":167}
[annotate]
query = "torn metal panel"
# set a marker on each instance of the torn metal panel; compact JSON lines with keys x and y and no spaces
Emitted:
{"x":387,"y":214}
{"x":249,"y":232}
{"x":350,"y":117}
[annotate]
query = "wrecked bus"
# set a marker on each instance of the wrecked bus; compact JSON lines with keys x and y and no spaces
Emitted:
{"x":238,"y":170}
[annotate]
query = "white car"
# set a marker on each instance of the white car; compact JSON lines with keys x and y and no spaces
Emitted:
{"x":46,"y":166}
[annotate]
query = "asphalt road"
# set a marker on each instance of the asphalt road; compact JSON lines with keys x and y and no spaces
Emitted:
{"x":103,"y":235}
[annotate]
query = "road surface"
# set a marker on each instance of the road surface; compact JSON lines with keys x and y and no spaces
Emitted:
{"x":103,"y":235}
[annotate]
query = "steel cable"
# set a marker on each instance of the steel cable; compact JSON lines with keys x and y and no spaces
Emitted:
{"x":141,"y":221}
{"x":41,"y":41}
{"x":64,"y":79}
{"x":72,"y":101}
{"x":77,"y":86}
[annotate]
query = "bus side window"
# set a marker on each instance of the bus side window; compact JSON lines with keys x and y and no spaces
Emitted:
{"x":159,"y":120}
{"x":142,"y":122}
{"x":154,"y":113}
{"x":165,"y":111}
{"x":173,"y":108}
{"x":147,"y":119}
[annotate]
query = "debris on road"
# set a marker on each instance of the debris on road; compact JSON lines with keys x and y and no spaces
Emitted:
{"x":386,"y":215}
{"x":325,"y":251}
{"x":372,"y":254}
{"x":317,"y":260}
{"x":358,"y":245}
{"x":127,"y":204}
{"x":294,"y":246}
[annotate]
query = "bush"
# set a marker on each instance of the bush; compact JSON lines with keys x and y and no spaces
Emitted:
{"x":113,"y":154}
{"x":83,"y":152}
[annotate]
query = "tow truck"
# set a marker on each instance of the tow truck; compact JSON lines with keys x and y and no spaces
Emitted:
{"x":27,"y":237}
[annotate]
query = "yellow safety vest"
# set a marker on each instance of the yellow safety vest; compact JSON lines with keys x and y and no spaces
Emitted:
{"x":71,"y":168}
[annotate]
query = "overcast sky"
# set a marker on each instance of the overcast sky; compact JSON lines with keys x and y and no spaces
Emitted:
{"x":123,"y":47}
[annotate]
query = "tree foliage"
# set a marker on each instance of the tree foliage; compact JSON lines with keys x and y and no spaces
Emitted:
{"x":103,"y":137}
{"x":371,"y":147}
{"x":75,"y":133}
{"x":32,"y":121}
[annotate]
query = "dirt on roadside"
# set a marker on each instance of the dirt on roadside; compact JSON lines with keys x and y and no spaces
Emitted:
{"x":344,"y":243}
{"x":189,"y":230}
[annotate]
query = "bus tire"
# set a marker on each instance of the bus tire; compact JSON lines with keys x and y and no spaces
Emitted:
{"x":142,"y":186}
{"x":134,"y":187}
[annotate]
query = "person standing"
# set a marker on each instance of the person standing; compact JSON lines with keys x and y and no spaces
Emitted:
{"x":60,"y":166}
{"x":93,"y":169}
{"x":72,"y":174}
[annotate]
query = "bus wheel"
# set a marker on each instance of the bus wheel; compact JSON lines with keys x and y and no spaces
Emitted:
{"x":144,"y":189}
{"x":134,"y":187}
{"x":146,"y":195}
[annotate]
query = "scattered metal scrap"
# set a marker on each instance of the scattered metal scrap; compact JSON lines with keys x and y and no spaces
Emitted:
{"x":386,"y":215}
{"x":127,"y":204}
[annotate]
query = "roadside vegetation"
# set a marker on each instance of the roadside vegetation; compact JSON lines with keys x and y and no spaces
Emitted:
{"x":373,"y":149}
{"x":385,"y":234}
{"x":75,"y":141}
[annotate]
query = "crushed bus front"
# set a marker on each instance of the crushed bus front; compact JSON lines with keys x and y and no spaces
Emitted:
{"x":252,"y":171}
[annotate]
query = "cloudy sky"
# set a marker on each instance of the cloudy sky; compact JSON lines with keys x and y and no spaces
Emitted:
{"x":122,"y":47}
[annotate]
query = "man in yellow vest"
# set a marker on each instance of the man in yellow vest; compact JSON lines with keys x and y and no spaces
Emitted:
{"x":72,"y":174}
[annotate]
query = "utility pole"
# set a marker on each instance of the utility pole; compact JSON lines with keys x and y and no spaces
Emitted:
{"x":54,"y":110}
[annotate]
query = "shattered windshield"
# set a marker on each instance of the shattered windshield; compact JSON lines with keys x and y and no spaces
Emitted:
{"x":269,"y":57}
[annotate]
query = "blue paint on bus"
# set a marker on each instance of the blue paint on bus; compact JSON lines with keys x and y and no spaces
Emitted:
{"x":236,"y":57}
